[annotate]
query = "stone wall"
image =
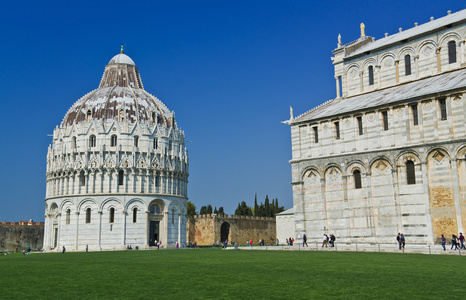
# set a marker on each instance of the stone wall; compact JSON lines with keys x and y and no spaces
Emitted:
{"x":21,"y":236}
{"x":208,"y":229}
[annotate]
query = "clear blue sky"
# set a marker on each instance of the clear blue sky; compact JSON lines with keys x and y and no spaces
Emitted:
{"x":229,"y":69}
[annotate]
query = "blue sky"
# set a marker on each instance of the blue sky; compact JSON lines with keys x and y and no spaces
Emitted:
{"x":229,"y":69}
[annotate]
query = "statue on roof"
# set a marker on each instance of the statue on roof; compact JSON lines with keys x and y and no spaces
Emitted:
{"x":122,"y":49}
{"x":363,"y":27}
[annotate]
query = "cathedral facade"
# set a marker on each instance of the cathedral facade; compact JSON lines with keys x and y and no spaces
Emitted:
{"x":117,"y":169}
{"x":388,"y":154}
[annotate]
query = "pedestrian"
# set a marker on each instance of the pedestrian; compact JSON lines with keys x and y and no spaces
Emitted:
{"x":87,"y":248}
{"x":403,"y":241}
{"x":325,"y":241}
{"x":398,"y":239}
{"x":64,"y":250}
{"x":453,"y":242}
{"x":332,"y":240}
{"x":444,"y":241}
{"x":29,"y":248}
{"x":461,"y":239}
{"x":277,"y":242}
{"x":305,"y":240}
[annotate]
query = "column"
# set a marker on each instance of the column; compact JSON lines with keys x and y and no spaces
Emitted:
{"x":164,"y":237}
{"x":124,"y":228}
{"x":397,"y":70}
{"x":361,"y":80}
{"x":439,"y":64}
{"x":416,"y":65}
{"x":462,"y":51}
{"x":133,"y":185}
{"x":426,"y":195}
{"x":77,"y":231}
{"x":179,"y":228}
{"x":100,"y":230}
{"x":379,"y":83}
{"x":102,"y":180}
{"x":147,"y":228}
{"x":338,"y":86}
{"x":86,"y":175}
{"x":456,"y":193}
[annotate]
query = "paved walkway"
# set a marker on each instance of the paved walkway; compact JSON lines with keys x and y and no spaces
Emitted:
{"x":420,"y":249}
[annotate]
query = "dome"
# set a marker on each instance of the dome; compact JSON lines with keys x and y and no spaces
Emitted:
{"x":121,"y":59}
{"x":120,"y":97}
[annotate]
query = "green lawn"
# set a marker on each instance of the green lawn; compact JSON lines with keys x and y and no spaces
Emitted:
{"x":217,"y":274}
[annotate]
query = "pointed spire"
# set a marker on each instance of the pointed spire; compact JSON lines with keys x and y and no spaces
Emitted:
{"x":122,"y":49}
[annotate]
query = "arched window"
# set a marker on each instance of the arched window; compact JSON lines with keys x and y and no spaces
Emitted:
{"x":410,"y":172}
{"x":357,"y":179}
{"x":89,"y":116}
{"x":154,"y":209}
{"x":170,"y":145}
{"x":73,"y":142}
{"x":92,"y":141}
{"x":68,"y":216}
{"x":135,"y":214}
{"x":136,"y":141}
{"x":88,"y":216}
{"x":121,"y":175}
{"x":112,"y":215}
{"x":154,"y":118}
{"x":371,"y":75}
{"x":451,"y":52}
{"x":156,"y":143}
{"x":407,"y":65}
{"x":82,"y":179}
{"x":113,"y":141}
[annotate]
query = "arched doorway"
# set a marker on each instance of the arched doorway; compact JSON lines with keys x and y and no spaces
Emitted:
{"x":224,"y":231}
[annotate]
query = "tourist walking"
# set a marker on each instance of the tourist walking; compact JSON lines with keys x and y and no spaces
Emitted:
{"x":398,"y":238}
{"x":444,"y":241}
{"x":461,"y":239}
{"x":453,"y":242}
{"x":325,"y":241}
{"x":64,"y":250}
{"x":403,"y":241}
{"x":305,"y":240}
{"x":332,"y":240}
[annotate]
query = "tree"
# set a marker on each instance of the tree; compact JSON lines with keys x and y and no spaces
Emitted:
{"x":220,"y":210}
{"x":203,"y":210}
{"x":191,"y":210}
{"x":238,"y":210}
{"x":209,"y":209}
{"x":215,"y":210}
{"x":256,"y":207}
{"x":268,"y":210}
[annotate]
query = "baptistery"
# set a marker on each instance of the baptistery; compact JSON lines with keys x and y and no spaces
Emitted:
{"x":117,"y":169}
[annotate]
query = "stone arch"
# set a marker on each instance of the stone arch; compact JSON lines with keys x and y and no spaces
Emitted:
{"x":406,"y":50}
{"x":225,"y":232}
{"x":369,"y":62}
{"x":355,"y":164}
{"x":307,"y":172}
{"x":424,"y":44}
{"x":432,"y":149}
{"x":108,"y":200}
{"x":86,"y":203}
{"x":404,"y":156}
{"x":160,"y":203}
{"x":449,"y":36}
{"x":378,"y":158}
{"x":135,"y":203}
{"x":461,"y":167}
{"x":65,"y":203}
{"x":54,"y":209}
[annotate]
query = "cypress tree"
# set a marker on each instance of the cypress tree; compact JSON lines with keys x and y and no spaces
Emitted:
{"x":256,"y":207}
{"x":209,"y":209}
{"x":220,"y":210}
{"x":215,"y":210}
{"x":203,"y":210}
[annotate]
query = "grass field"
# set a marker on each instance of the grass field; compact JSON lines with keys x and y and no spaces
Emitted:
{"x":217,"y":274}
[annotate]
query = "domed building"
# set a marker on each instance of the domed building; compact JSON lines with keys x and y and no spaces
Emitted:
{"x":117,"y":169}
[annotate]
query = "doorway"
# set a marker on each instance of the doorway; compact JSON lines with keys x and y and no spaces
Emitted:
{"x":153,"y":232}
{"x":224,"y":231}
